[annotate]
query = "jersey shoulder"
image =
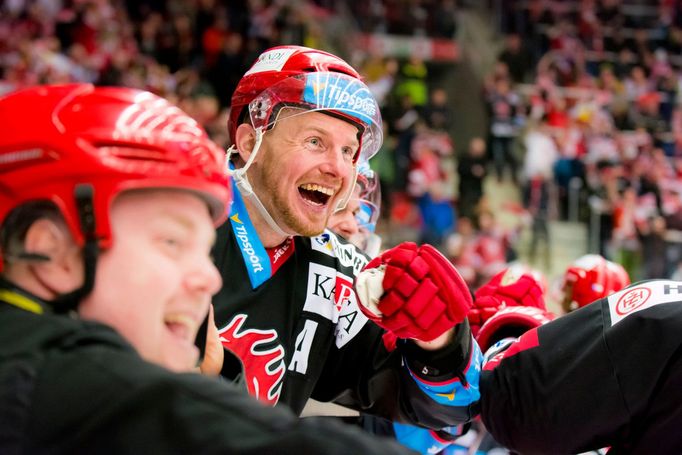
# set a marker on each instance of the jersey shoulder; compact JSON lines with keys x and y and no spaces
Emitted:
{"x":645,"y":295}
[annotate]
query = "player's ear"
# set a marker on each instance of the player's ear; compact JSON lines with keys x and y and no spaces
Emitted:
{"x":245,"y":140}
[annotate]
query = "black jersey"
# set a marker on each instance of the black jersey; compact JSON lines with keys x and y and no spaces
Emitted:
{"x":301,"y":335}
{"x":606,"y":375}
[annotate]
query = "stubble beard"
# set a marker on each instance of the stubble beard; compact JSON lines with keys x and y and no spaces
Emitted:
{"x":282,"y":212}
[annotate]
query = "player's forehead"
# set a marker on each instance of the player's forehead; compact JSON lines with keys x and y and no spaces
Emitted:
{"x":182,"y":208}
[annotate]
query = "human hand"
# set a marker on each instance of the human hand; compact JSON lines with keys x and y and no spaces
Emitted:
{"x":214,"y":353}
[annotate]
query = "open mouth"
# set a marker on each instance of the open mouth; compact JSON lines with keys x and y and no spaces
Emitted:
{"x":316,"y":194}
{"x":182,"y":327}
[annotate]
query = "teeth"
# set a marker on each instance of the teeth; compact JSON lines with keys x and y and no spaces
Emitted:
{"x":315,"y":187}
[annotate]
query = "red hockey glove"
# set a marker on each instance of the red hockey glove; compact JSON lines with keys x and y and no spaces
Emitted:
{"x":414,"y":292}
{"x":511,"y":322}
{"x":510,"y":287}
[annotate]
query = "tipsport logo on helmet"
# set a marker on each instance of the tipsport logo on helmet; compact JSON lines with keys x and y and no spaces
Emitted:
{"x":341,"y":93}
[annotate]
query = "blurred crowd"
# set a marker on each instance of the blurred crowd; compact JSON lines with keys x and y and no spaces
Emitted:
{"x":583,"y":117}
{"x":588,"y":90}
{"x":190,"y":52}
{"x":583,"y":109}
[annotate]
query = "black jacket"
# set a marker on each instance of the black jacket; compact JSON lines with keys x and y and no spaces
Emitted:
{"x":69,"y":386}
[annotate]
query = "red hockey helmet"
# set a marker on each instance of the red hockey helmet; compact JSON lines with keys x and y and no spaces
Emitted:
{"x":589,"y":278}
{"x":56,"y":139}
{"x":517,"y":285}
{"x":310,"y":79}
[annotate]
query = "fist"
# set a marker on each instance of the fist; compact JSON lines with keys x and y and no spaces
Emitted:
{"x":413,"y":292}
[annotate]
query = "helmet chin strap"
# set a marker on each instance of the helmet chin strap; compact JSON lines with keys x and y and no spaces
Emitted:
{"x":245,"y":188}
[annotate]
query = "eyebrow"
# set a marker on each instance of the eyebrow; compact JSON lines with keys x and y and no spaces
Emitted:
{"x":323,"y":132}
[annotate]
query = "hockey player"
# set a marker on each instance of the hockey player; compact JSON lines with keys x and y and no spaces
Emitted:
{"x":289,"y":315}
{"x":300,"y":120}
{"x":108,"y":200}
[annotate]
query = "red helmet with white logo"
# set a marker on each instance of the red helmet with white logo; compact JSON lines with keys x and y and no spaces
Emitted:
{"x":59,"y":140}
{"x":310,"y":79}
{"x":590,"y":278}
{"x":514,"y":286}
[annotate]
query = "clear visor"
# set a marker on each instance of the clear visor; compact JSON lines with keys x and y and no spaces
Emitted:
{"x":338,"y":94}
